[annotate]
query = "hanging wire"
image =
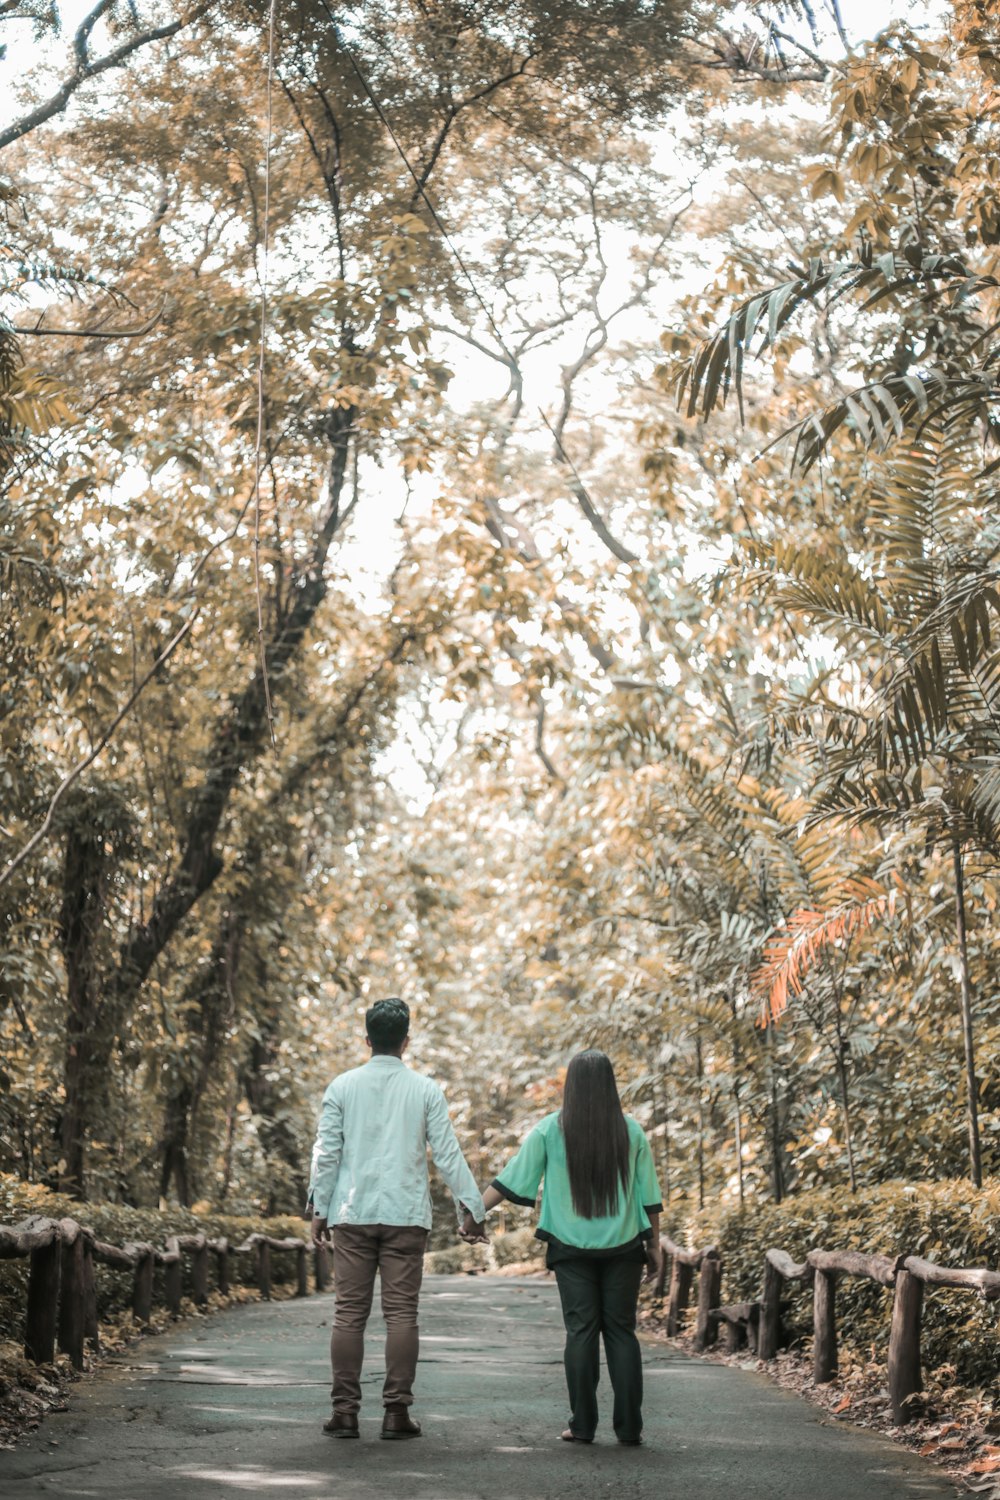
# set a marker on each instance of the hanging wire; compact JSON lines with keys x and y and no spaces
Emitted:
{"x":261,"y":380}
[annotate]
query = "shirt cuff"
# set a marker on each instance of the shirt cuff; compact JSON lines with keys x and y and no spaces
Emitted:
{"x":471,"y":1208}
{"x":505,"y":1192}
{"x":652,"y":1208}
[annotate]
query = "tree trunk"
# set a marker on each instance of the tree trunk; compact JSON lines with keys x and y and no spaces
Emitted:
{"x":174,"y":1143}
{"x":281,"y":1147}
{"x":971,"y":1084}
{"x":737,"y":1107}
{"x":777,"y":1153}
{"x":240,"y":732}
{"x":230,"y":1142}
{"x":660,"y":1118}
{"x":208,"y":1005}
{"x":846,"y":1111}
{"x":738,"y":1131}
{"x":701,"y":1123}
{"x":81,"y":917}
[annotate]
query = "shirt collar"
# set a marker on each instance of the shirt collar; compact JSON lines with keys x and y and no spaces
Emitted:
{"x":384,"y":1060}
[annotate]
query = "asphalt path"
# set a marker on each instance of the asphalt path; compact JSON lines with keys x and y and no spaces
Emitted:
{"x":234,"y":1406}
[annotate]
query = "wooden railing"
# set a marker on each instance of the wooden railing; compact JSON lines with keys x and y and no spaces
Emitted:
{"x":62,"y":1299}
{"x":758,"y":1324}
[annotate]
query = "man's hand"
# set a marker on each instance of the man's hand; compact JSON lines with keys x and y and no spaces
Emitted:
{"x":654,"y":1260}
{"x":471,"y":1232}
{"x":320,"y":1231}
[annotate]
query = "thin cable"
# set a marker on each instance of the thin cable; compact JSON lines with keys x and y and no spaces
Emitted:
{"x":261,"y":372}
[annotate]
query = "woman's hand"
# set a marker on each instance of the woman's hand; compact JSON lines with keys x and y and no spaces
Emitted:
{"x":471,"y":1232}
{"x":654,"y":1260}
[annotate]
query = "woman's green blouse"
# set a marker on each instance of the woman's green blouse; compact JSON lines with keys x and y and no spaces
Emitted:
{"x":543,"y":1155}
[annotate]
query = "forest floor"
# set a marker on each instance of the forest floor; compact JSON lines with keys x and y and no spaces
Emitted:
{"x":233,"y":1405}
{"x":955,"y":1429}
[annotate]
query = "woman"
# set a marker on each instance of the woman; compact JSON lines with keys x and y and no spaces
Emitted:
{"x":600,"y":1220}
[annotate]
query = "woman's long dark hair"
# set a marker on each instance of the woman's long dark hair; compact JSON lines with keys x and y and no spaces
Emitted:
{"x":596,"y":1136}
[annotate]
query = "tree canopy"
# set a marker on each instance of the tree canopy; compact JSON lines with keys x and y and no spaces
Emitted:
{"x":497,"y":504}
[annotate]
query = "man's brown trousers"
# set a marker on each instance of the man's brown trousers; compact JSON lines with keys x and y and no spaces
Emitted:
{"x":396,"y":1252}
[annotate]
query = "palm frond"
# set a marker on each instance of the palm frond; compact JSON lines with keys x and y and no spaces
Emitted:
{"x":795,"y":948}
{"x":833,"y":590}
{"x":881,"y":411}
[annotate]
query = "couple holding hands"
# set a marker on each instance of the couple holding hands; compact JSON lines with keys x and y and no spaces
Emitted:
{"x":369,"y":1192}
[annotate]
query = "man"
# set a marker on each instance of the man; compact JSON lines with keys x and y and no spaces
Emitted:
{"x":369,"y":1186}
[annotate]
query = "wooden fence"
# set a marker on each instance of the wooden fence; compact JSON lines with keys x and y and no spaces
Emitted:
{"x":759,"y":1325}
{"x":62,"y":1299}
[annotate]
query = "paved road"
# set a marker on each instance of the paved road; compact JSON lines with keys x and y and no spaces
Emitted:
{"x":233,"y":1407}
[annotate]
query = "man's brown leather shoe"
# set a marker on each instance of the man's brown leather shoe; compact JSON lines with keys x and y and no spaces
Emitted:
{"x":343,"y":1424}
{"x":397,"y":1423}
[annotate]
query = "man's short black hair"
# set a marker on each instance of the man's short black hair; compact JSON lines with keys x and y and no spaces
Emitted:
{"x":387,"y":1023}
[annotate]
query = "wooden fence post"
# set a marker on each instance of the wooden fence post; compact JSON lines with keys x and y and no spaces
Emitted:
{"x":199,"y":1273}
{"x":321,"y":1261}
{"x":753,"y":1328}
{"x":43,"y":1302}
{"x":142,"y":1285}
{"x":91,"y":1328}
{"x":770,"y":1312}
{"x":72,"y":1294}
{"x":172,"y":1279}
{"x":709,"y":1289}
{"x":264,"y":1268}
{"x":680,"y":1292}
{"x":302,"y":1290}
{"x":222,"y":1264}
{"x":824,"y":1327}
{"x":904,"y":1345}
{"x":661,"y":1276}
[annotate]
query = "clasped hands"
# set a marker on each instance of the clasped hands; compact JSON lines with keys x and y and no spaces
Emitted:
{"x":471,"y":1232}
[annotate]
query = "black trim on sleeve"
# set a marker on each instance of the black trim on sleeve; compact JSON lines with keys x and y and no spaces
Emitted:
{"x":513,"y":1197}
{"x":652,"y":1208}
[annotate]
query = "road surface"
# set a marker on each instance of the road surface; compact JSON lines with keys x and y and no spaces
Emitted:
{"x":233,"y":1406}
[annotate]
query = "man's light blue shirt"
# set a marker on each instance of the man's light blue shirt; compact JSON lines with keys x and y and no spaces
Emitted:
{"x":370,"y":1158}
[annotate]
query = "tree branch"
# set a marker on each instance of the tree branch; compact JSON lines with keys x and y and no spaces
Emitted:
{"x":98,"y":332}
{"x":77,"y":771}
{"x":86,"y":70}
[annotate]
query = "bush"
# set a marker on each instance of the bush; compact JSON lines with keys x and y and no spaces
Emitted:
{"x":517,"y":1245}
{"x":952,"y":1223}
{"x":503,"y":1250}
{"x":117,"y":1224}
{"x":456,"y":1259}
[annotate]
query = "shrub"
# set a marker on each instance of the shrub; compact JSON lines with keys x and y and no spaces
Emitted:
{"x":456,"y":1259}
{"x":950,"y":1222}
{"x":516,"y":1245}
{"x":117,"y":1224}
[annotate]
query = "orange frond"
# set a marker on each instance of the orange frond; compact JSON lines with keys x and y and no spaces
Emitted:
{"x":794,"y":949}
